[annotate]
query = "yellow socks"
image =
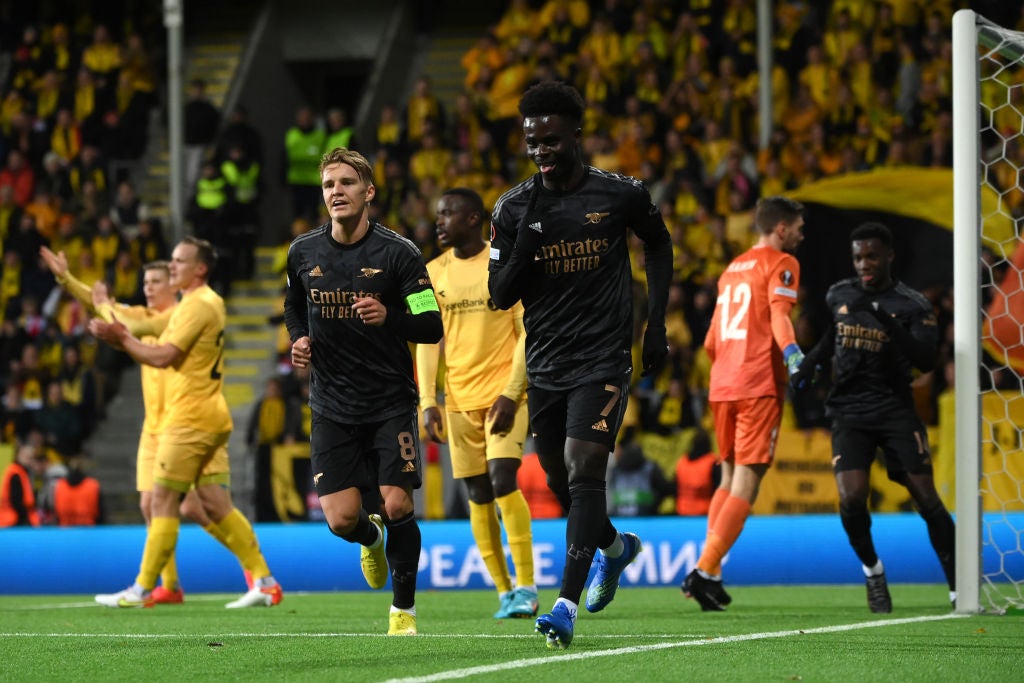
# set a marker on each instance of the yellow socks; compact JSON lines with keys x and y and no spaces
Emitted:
{"x":161,"y":537}
{"x":169,"y":574}
{"x":241,"y":540}
{"x":217,"y":534}
{"x":515,"y":514}
{"x":483,"y":521}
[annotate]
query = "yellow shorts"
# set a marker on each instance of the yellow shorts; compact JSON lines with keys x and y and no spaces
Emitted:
{"x":145,"y":459}
{"x":186,"y":456}
{"x":472,"y":444}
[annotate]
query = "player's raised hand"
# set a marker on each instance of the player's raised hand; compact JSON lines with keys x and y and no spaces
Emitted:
{"x":57,"y":263}
{"x":530,"y":230}
{"x":113,"y":332}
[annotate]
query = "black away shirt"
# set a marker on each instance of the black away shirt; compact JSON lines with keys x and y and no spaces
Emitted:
{"x":358,"y":373}
{"x":578,"y":302}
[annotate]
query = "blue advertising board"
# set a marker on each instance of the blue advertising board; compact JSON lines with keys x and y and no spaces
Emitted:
{"x":798,"y":549}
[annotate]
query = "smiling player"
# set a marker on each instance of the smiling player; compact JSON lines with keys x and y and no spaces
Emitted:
{"x":559,"y":245}
{"x":882,"y":331}
{"x":357,"y":294}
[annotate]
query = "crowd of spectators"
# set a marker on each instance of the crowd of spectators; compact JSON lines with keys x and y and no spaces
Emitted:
{"x":672,"y":94}
{"x":78,"y":90}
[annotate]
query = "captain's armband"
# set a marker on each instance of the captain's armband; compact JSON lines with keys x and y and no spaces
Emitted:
{"x":421,"y":302}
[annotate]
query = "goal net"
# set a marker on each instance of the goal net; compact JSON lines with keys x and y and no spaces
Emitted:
{"x":988,"y":120}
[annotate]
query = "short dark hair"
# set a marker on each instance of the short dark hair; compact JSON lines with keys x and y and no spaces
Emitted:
{"x":872,"y":230}
{"x":770,"y":211}
{"x":472,"y":199}
{"x":552,"y":97}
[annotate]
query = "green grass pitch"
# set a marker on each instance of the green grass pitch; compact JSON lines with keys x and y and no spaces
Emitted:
{"x":777,"y":633}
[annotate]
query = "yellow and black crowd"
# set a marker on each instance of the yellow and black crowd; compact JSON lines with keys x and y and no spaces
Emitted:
{"x":672,"y":94}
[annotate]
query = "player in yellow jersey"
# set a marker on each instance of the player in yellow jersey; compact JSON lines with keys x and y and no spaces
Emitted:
{"x":192,"y":448}
{"x":160,"y":300}
{"x":485,"y":385}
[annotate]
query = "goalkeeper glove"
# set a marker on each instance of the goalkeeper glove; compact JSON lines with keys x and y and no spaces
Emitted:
{"x":806,"y":376}
{"x":793,"y":357}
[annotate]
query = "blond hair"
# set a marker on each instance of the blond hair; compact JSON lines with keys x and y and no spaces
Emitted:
{"x":343,"y":155}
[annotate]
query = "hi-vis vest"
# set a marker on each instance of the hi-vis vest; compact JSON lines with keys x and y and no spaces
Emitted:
{"x":304,"y":151}
{"x":210,"y":193}
{"x":8,"y":515}
{"x":244,"y":182}
{"x":77,"y":505}
{"x":339,"y":138}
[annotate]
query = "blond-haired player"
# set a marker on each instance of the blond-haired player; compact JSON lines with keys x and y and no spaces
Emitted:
{"x":160,"y":300}
{"x":192,"y":448}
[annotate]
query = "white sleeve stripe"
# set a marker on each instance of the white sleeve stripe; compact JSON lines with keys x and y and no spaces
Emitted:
{"x":785,"y":291}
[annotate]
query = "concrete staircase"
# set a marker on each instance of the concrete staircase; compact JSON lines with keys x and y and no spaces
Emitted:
{"x":458,"y":30}
{"x":112,"y":450}
{"x":212,"y":53}
{"x":249,"y":359}
{"x":250,"y":338}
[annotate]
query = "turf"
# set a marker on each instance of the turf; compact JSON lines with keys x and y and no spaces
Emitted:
{"x":785,"y":633}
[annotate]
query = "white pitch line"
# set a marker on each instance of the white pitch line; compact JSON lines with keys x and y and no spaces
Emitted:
{"x":152,"y":636}
{"x":558,"y":659}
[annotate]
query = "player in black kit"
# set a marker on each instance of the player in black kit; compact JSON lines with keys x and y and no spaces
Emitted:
{"x":559,"y":243}
{"x":882,"y":330}
{"x":357,"y":294}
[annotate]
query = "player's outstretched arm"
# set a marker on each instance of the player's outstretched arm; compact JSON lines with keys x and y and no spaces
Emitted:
{"x":57,"y":264}
{"x":814,"y":362}
{"x":120,"y":337}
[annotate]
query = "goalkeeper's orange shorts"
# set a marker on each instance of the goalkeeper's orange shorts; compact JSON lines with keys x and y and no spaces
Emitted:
{"x":747,"y":429}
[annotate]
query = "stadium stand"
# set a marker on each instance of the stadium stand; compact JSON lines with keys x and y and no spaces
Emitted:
{"x":672,"y":92}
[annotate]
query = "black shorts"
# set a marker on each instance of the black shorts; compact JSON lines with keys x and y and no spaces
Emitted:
{"x":592,"y":412}
{"x":365,"y":456}
{"x":903,"y":441}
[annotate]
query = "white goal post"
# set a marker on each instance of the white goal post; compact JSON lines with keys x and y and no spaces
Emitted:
{"x":988,"y":157}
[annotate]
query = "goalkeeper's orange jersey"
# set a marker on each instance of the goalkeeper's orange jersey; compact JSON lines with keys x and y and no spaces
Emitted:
{"x":746,"y":356}
{"x":195,"y":387}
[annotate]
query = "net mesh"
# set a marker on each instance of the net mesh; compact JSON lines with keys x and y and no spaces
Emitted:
{"x":1001,"y":93}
